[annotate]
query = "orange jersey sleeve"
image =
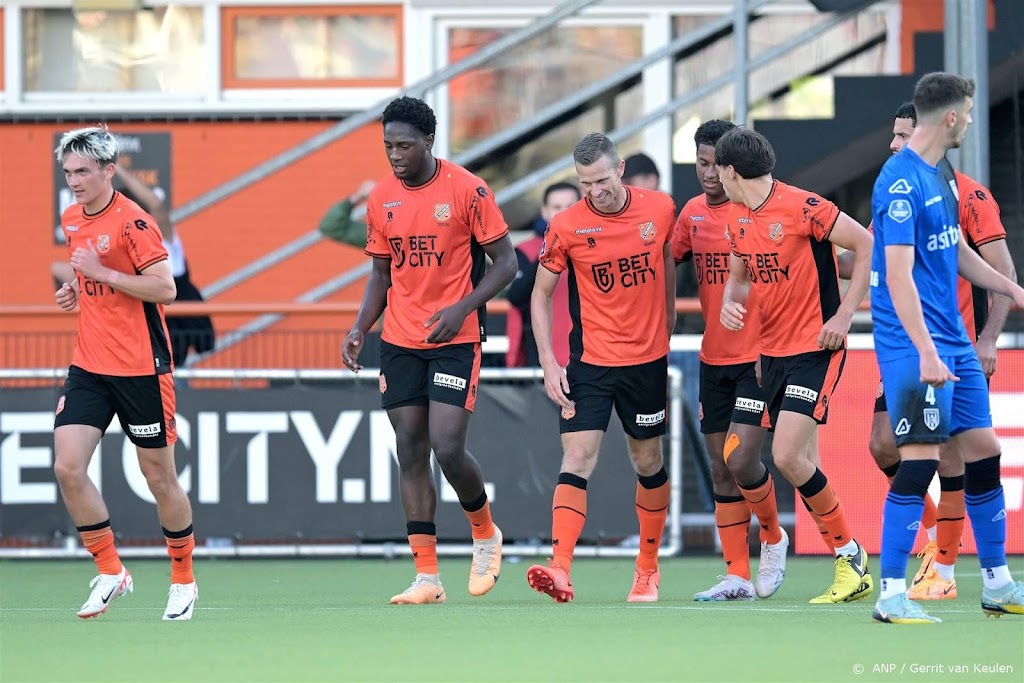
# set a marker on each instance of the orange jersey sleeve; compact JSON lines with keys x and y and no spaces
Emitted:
{"x":616,"y":269}
{"x":117,"y":333}
{"x":791,"y":265}
{"x":433,"y":235}
{"x":980,"y":223}
{"x":700,"y":232}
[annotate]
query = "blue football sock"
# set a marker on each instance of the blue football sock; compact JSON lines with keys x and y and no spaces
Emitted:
{"x":986,"y":506}
{"x":902,"y":515}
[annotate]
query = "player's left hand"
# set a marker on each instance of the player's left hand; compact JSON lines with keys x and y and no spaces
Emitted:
{"x":986,"y":349}
{"x":87,"y":262}
{"x":447,"y":322}
{"x":833,"y":333}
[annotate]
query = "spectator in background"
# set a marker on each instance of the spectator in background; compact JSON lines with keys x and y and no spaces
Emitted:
{"x":641,"y":171}
{"x":186,"y":332}
{"x":522,"y":347}
{"x":337,"y":223}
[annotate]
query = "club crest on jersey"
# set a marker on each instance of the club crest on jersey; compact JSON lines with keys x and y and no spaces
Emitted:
{"x":901,"y":186}
{"x":647,"y":231}
{"x":900,"y":211}
{"x":931,"y":418}
{"x":103,"y":244}
{"x":775,"y":232}
{"x":442,"y":212}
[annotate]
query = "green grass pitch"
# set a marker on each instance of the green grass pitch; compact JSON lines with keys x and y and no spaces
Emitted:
{"x":328,"y":620}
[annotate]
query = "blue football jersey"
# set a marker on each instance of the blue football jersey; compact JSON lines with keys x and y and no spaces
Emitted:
{"x":913,"y":204}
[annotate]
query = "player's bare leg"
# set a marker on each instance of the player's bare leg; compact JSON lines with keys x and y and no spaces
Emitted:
{"x":419,"y":500}
{"x":568,"y":514}
{"x":742,"y":455}
{"x":74,"y":446}
{"x":652,"y":499}
{"x":449,"y":426}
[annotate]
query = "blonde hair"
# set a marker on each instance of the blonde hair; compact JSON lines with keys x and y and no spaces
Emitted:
{"x":95,"y":142}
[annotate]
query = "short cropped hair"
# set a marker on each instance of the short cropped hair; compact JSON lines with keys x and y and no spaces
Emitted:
{"x":558,"y":187}
{"x":412,"y":111}
{"x":592,"y":147}
{"x":710,"y":132}
{"x":940,"y":90}
{"x":747,"y":151}
{"x":95,"y":142}
{"x":907,"y":110}
{"x":640,"y":164}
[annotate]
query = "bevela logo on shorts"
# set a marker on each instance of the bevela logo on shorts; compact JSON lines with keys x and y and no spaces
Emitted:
{"x":145,"y":430}
{"x":449,"y":381}
{"x":652,"y":419}
{"x":749,"y":405}
{"x":803,"y":393}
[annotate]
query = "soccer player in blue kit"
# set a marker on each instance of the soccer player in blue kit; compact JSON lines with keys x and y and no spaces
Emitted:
{"x":917,"y":255}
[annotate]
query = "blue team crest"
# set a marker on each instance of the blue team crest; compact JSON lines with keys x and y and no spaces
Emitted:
{"x":899,"y":210}
{"x":901,"y":186}
{"x":931,"y":418}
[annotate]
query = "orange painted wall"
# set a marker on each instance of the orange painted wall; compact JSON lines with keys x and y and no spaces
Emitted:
{"x":217,"y":240}
{"x":924,"y":16}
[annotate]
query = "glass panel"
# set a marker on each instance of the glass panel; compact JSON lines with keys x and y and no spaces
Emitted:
{"x":149,"y":50}
{"x":795,"y":85}
{"x":328,"y":47}
{"x":521,"y":82}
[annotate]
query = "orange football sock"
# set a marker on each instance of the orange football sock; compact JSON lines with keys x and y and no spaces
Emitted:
{"x":568,"y":515}
{"x":732,"y":516}
{"x":951,"y":524}
{"x":424,"y":552}
{"x":652,"y":496}
{"x":822,"y":501}
{"x":930,"y":516}
{"x":479,"y":514}
{"x":761,"y":498}
{"x":98,"y":539}
{"x":180,"y":545}
{"x":826,"y":538}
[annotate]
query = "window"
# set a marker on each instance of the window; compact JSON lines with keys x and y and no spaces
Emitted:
{"x":157,"y":49}
{"x":267,"y":47}
{"x":518,"y":84}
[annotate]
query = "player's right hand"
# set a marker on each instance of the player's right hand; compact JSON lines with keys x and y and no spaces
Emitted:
{"x":350,"y":349}
{"x":732,"y":315}
{"x":934,"y":372}
{"x":556,"y":384}
{"x":67,"y":297}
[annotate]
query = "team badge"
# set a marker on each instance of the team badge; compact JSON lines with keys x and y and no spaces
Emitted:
{"x":899,"y":210}
{"x":569,"y":412}
{"x":647,"y":231}
{"x":60,"y":405}
{"x":775,"y":232}
{"x":103,"y":244}
{"x":442,"y":212}
{"x":383,"y":384}
{"x":931,"y":418}
{"x":881,"y":390}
